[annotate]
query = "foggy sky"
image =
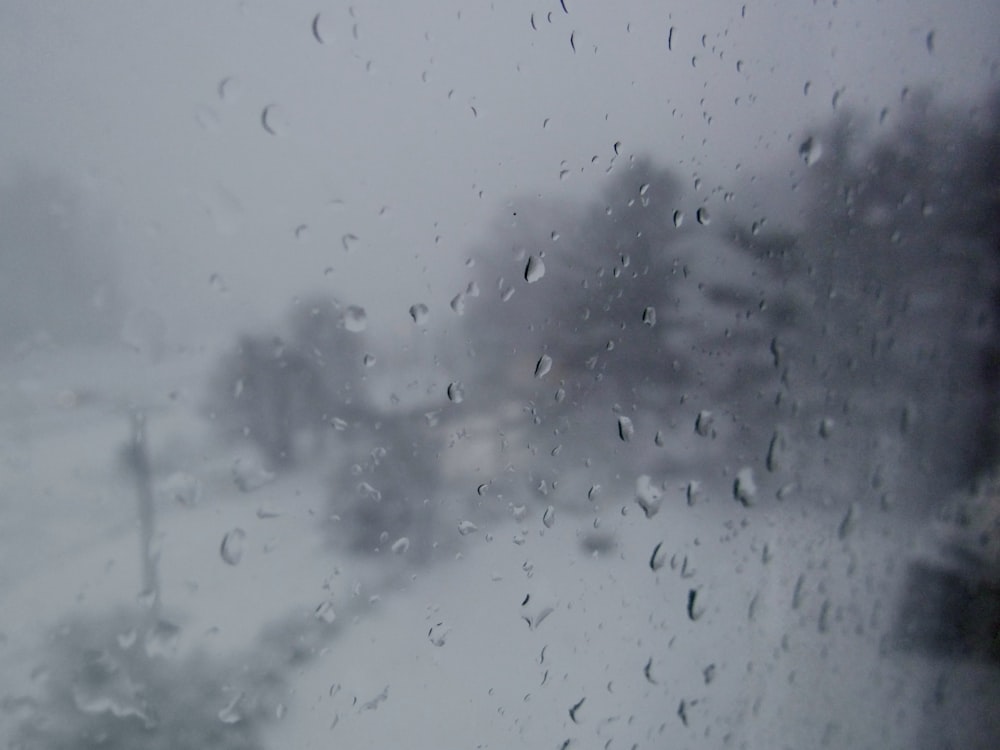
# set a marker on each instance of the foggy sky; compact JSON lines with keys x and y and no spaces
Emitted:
{"x":408,"y":126}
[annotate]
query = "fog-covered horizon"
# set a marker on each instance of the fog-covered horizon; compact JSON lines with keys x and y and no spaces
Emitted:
{"x":394,"y":136}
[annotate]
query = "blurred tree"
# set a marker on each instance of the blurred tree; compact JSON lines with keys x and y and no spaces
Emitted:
{"x":286,"y":395}
{"x":58,"y":282}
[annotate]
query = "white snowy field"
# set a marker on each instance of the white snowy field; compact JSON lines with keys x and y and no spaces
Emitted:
{"x":712,"y":625}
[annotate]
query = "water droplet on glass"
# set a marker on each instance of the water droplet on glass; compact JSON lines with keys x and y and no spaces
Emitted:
{"x":349,"y":242}
{"x":694,"y":610}
{"x":272,"y":119}
{"x":325,"y":613}
{"x":549,"y":517}
{"x":458,"y":304}
{"x":826,"y":426}
{"x":648,"y":496}
{"x":456,"y":393}
{"x":575,"y":709}
{"x":694,"y":492}
{"x":670,"y":38}
{"x":355,"y":319}
{"x":702,"y":217}
{"x":658,"y":558}
{"x":678,"y":218}
{"x":467,"y":527}
{"x":849,"y":521}
{"x":774,"y":451}
{"x":659,"y":438}
{"x":543,"y":366}
{"x":744,"y":488}
{"x":302,"y":232}
{"x":232,"y":714}
{"x":230,"y":89}
{"x":420,"y":314}
{"x":649,"y":316}
{"x":930,"y":42}
{"x":401,"y":545}
{"x":625,"y":429}
{"x":231,"y":548}
{"x":320,"y":29}
{"x":703,"y":423}
{"x":438,"y":634}
{"x":369,"y":360}
{"x":810,"y":151}
{"x":643,"y":188}
{"x":534,"y":270}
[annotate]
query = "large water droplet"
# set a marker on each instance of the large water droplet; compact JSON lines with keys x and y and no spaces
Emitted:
{"x":438,"y":634}
{"x":321,"y":27}
{"x":543,"y":366}
{"x":702,"y":217}
{"x":355,"y":319}
{"x":810,"y":151}
{"x":420,"y":314}
{"x":534,"y":270}
{"x":678,"y":218}
{"x":703,"y":423}
{"x":649,"y":316}
{"x":549,"y":517}
{"x":325,"y":613}
{"x":467,"y":527}
{"x":231,"y":548}
{"x":625,"y":429}
{"x":744,"y":488}
{"x":648,"y":495}
{"x":456,"y":393}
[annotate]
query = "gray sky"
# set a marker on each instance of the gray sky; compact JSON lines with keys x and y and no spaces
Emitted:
{"x":411,"y":123}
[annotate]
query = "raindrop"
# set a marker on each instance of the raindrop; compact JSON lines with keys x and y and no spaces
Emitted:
{"x":420,"y":314}
{"x":701,"y":216}
{"x":826,"y":427}
{"x":218,"y":283}
{"x":744,"y":488}
{"x":625,"y":429}
{"x":325,"y":613}
{"x":694,"y":611}
{"x":774,"y":451}
{"x":810,"y":151}
{"x":232,"y":714}
{"x":849,"y":521}
{"x":401,"y":545}
{"x":576,"y":707}
{"x":643,"y":188}
{"x":456,"y":393}
{"x":272,"y":119}
{"x":703,"y":423}
{"x":670,"y":38}
{"x":678,"y":218}
{"x":930,"y":42}
{"x":549,"y":517}
{"x":349,"y":241}
{"x":369,"y":360}
{"x":231,"y":548}
{"x":543,"y":366}
{"x":648,"y":496}
{"x":355,"y":319}
{"x":648,"y":671}
{"x":438,"y":634}
{"x":534,"y":270}
{"x":229,"y":89}
{"x":319,"y":28}
{"x":572,"y":40}
{"x":659,"y":438}
{"x":458,"y":304}
{"x":658,"y":558}
{"x":467,"y":527}
{"x":694,"y":493}
{"x":649,"y":316}
{"x":302,"y":232}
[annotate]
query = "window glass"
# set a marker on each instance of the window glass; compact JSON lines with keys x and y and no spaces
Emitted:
{"x":547,"y":374}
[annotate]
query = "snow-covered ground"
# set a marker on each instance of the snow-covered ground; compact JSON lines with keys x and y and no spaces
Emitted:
{"x":705,"y":625}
